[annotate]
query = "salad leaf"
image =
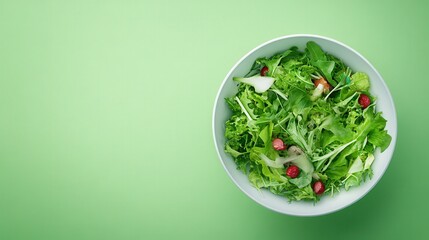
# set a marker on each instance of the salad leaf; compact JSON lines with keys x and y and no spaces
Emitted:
{"x":359,"y":82}
{"x":380,"y":139}
{"x":316,"y":53}
{"x":273,"y":62}
{"x":318,"y":59}
{"x":353,"y":180}
{"x":332,"y":123}
{"x":304,"y":179}
{"x":357,"y":166}
{"x":299,"y":102}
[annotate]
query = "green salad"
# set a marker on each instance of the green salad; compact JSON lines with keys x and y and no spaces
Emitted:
{"x":304,"y":124}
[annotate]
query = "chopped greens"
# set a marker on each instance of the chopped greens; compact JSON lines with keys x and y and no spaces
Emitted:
{"x":310,"y":100}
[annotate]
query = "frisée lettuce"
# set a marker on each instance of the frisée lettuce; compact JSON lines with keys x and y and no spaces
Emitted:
{"x":313,"y":102}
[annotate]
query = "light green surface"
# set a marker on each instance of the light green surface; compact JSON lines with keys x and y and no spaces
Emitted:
{"x":105,"y":117}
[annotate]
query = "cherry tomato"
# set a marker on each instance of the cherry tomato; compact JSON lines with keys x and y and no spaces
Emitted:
{"x":292,"y":171}
{"x":364,"y":101}
{"x":278,"y":144}
{"x":319,"y":187}
{"x":264,"y":71}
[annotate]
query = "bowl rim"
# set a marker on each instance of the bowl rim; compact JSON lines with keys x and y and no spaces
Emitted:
{"x":393,"y":134}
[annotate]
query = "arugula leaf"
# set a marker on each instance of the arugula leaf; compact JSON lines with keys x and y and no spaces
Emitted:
{"x":326,"y":68}
{"x":299,"y":102}
{"x":316,"y":53}
{"x":318,"y":59}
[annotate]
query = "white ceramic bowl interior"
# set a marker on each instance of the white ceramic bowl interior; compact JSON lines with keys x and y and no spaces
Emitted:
{"x":327,"y":204}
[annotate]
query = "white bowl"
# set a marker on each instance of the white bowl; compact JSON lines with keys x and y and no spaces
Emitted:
{"x":327,"y":204}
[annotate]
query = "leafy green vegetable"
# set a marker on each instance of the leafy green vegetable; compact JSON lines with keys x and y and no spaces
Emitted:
{"x":318,"y":59}
{"x":380,"y":139}
{"x":273,"y":62}
{"x":359,"y":82}
{"x":331,"y":138}
{"x":304,"y":179}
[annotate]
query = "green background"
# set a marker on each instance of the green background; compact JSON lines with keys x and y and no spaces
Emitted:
{"x":106,"y":106}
